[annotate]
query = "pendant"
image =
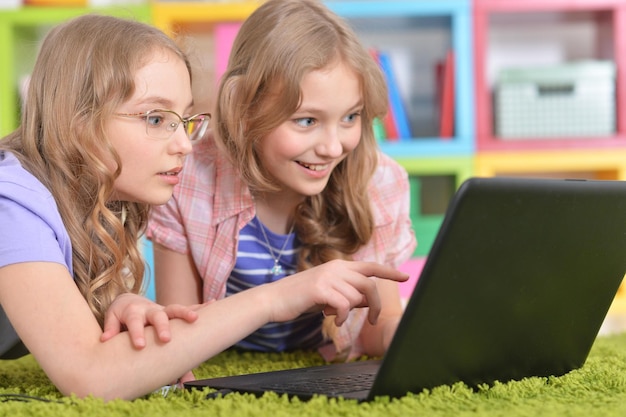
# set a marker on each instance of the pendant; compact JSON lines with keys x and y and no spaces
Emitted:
{"x":277,"y":269}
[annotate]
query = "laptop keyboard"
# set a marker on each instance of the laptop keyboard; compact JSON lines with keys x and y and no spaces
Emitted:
{"x":331,"y":385}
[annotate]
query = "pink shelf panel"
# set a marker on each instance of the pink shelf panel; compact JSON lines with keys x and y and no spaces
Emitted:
{"x":485,"y":138}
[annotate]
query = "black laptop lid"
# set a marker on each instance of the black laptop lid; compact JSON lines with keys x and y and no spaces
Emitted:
{"x":517,"y":283}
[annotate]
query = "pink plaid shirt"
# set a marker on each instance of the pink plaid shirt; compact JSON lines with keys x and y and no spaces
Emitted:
{"x":211,"y":205}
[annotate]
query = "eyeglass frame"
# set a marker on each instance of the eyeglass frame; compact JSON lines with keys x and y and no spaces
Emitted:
{"x":184,"y":120}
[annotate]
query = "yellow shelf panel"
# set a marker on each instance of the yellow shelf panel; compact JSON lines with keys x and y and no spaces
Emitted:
{"x":585,"y":163}
{"x":166,"y":15}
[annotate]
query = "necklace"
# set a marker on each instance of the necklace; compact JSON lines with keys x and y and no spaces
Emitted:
{"x":277,"y":269}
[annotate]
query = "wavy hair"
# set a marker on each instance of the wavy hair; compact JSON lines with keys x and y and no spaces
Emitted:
{"x":280,"y":43}
{"x":84,"y":71}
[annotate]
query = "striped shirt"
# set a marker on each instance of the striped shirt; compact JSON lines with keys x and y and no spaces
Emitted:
{"x":253,"y":266}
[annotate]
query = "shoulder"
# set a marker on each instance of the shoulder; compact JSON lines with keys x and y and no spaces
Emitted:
{"x":29,"y":218}
{"x":389,"y":176}
{"x":388,"y":189}
{"x":20,"y":185}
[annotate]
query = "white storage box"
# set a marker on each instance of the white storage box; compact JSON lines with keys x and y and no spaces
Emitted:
{"x":10,"y":4}
{"x":569,"y":100}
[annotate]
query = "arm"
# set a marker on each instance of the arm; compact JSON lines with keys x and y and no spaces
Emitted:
{"x":134,"y":312}
{"x":376,"y":338}
{"x":393,"y":195}
{"x":176,"y":281}
{"x":55,"y":323}
{"x":176,"y":277}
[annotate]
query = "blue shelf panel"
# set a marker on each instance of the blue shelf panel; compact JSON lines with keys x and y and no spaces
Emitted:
{"x":456,"y":15}
{"x":428,"y":147}
{"x":393,"y":8}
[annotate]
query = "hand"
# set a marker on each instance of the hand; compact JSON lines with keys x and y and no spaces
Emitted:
{"x":135,"y":312}
{"x":335,"y":288}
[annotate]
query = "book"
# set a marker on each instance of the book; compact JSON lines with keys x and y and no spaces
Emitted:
{"x":396,"y":103}
{"x":445,"y":93}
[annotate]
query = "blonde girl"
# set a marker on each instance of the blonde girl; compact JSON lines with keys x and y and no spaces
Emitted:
{"x":292,"y":180}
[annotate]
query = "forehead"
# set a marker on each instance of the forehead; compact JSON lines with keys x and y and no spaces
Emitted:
{"x":162,"y":80}
{"x":337,"y":84}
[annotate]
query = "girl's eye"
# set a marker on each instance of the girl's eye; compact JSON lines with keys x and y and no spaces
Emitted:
{"x":154,"y":120}
{"x":351,"y":118}
{"x":305,"y":121}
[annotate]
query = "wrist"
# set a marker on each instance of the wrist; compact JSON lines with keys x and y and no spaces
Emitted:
{"x":389,"y":330}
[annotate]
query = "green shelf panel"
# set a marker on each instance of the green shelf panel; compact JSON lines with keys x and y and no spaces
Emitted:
{"x":21,"y":31}
{"x":432,"y":183}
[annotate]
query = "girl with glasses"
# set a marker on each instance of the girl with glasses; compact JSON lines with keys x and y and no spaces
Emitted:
{"x":293,"y":181}
{"x":106,"y":126}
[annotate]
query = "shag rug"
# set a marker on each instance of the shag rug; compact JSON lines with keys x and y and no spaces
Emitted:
{"x":596,"y":389}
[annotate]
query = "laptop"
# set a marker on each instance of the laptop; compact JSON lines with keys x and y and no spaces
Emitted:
{"x":517,"y":284}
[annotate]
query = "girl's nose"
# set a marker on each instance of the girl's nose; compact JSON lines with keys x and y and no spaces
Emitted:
{"x":330,"y":144}
{"x":180,"y":141}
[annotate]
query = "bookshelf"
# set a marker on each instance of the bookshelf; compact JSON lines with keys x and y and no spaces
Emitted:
{"x":417,"y":35}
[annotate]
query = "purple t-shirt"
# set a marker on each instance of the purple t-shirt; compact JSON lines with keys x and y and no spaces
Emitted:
{"x":31,"y":229}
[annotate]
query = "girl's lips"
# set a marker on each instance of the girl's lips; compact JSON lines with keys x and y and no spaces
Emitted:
{"x":315,"y":171}
{"x":170,"y":177}
{"x":314,"y":167}
{"x":174,"y":171}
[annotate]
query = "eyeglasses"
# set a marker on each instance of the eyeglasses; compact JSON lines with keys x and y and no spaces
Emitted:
{"x":161,"y":124}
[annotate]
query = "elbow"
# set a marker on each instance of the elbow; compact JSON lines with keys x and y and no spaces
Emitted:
{"x":84,"y":384}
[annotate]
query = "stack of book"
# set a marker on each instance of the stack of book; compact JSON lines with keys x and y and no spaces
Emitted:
{"x":395,"y":125}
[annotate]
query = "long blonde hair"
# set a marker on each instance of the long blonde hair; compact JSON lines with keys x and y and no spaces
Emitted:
{"x":281,"y":42}
{"x":84,"y":71}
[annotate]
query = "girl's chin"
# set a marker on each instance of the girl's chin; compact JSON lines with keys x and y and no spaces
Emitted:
{"x":159,"y":202}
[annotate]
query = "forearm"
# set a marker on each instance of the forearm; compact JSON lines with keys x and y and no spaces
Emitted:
{"x":376,"y":338}
{"x":116,"y":370}
{"x":176,"y":278}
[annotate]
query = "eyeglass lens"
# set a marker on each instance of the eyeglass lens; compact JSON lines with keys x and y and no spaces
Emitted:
{"x":162,"y":124}
{"x":197,"y":126}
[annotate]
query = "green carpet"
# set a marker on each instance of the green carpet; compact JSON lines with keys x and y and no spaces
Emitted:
{"x":597,"y":389}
